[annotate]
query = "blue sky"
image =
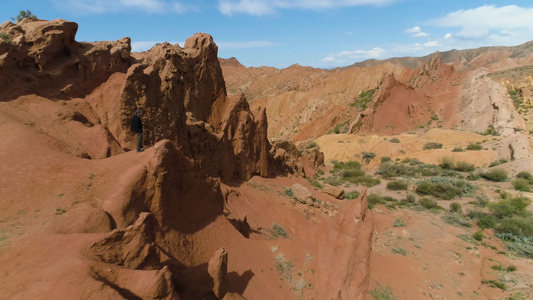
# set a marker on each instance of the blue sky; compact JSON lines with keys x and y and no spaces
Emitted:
{"x":279,"y":33}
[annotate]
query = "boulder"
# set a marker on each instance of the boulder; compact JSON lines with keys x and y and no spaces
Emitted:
{"x":301,"y":193}
{"x":333,"y":191}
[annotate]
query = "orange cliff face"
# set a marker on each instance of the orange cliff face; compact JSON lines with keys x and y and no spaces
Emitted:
{"x":188,"y":218}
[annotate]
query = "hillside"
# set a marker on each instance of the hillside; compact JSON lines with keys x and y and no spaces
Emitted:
{"x":84,"y":217}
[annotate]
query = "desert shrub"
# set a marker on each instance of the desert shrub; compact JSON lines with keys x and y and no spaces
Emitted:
{"x":312,"y":145}
{"x":314,"y":183}
{"x":363,"y":99}
{"x":365,"y":180}
{"x":496,"y":174}
{"x":476,"y":146}
{"x":278,"y":231}
{"x":456,"y":219}
{"x":521,"y":184}
{"x":509,"y":207}
{"x":374,"y":199}
{"x":478,"y":236}
{"x":385,"y":159}
{"x":410,"y":198}
{"x":511,"y":268}
{"x":432,"y":145}
{"x":352,"y":173}
{"x":429,"y":203}
{"x":334,"y":181}
{"x":6,"y":38}
{"x":398,"y":185}
{"x":289,"y":192}
{"x":444,"y":187}
{"x":390,"y":170}
{"x":447,"y":163}
{"x":399,"y":223}
{"x":463,"y":166}
{"x":525,"y":175}
{"x":497,"y":162}
{"x":458,"y":149}
{"x":24,"y":15}
{"x":394,"y":140}
{"x":351,"y":195}
{"x":382,"y":293}
{"x":486,"y":222}
{"x":456,"y":207}
{"x":346,"y":165}
{"x":518,"y":226}
{"x":415,"y":162}
{"x":337,"y":128}
{"x":495,"y":284}
{"x":368,"y":156}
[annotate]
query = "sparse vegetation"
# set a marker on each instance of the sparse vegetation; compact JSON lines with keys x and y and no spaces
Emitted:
{"x":432,"y":145}
{"x":474,"y":146}
{"x":24,"y":15}
{"x":456,"y":208}
{"x":521,"y":184}
{"x":478,"y":236}
{"x":400,"y":250}
{"x":444,"y":187}
{"x":338,"y":127}
{"x":278,"y":231}
{"x":6,"y":38}
{"x":429,"y":203}
{"x":496,"y":174}
{"x":382,"y":293}
{"x":363,"y":99}
{"x":399,"y":223}
{"x":350,"y":172}
{"x":495,"y":284}
{"x":458,"y":149}
{"x":368,"y":156}
{"x":397,"y":185}
{"x":394,"y":140}
{"x":498,"y":162}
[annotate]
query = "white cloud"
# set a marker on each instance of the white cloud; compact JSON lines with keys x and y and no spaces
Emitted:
{"x":488,"y":25}
{"x":353,"y":56}
{"x":265,"y":7}
{"x":225,"y":45}
{"x":106,"y":6}
{"x":416,"y":32}
{"x":432,"y":44}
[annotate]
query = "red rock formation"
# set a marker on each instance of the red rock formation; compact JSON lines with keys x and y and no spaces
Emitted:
{"x":43,"y":58}
{"x":396,"y":107}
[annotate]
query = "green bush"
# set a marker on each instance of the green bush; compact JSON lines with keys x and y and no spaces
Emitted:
{"x":398,"y":185}
{"x":496,"y":174}
{"x":463,"y":166}
{"x":458,"y":149}
{"x":510,"y":207}
{"x":399,"y":223}
{"x":312,"y":145}
{"x":497,"y":162}
{"x":486,"y":222}
{"x":518,"y":226}
{"x":478,"y":236}
{"x":429,"y":203}
{"x":525,"y":175}
{"x":410,"y":198}
{"x":476,"y":146}
{"x":368,"y":156}
{"x":521,"y":184}
{"x":24,"y":15}
{"x":374,"y":199}
{"x":456,"y":219}
{"x":6,"y":38}
{"x":432,"y":145}
{"x":447,"y":163}
{"x":444,"y":187}
{"x":394,"y":140}
{"x":385,"y":159}
{"x":351,"y":195}
{"x":456,"y":207}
